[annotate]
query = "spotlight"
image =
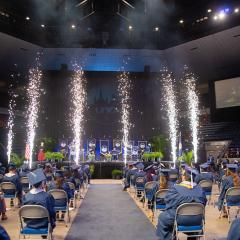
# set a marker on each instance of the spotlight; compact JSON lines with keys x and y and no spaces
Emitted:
{"x":215,"y":17}
{"x":130,"y":27}
{"x":222,"y":15}
{"x":27,"y":18}
{"x":181,"y":21}
{"x":42,"y":25}
{"x":156,"y":29}
{"x":226,"y":10}
{"x":73,"y":26}
{"x":236,"y":10}
{"x":209,"y":10}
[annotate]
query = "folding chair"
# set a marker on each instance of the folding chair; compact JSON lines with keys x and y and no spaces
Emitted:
{"x":149,"y":192}
{"x":72,"y":201}
{"x":132,"y":184}
{"x":206,"y":185}
{"x":35,"y":212}
{"x":9,"y":191}
{"x":139,"y":186}
{"x":195,"y":212}
{"x":80,"y":189}
{"x":59,"y":194}
{"x":231,"y":199}
{"x":25,"y":184}
{"x":159,"y":203}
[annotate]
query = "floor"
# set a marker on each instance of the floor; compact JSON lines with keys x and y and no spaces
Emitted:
{"x":109,"y":213}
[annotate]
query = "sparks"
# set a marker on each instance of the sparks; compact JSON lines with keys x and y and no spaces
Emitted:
{"x":172,"y":111}
{"x":193,"y":108}
{"x":10,"y":135}
{"x":124,"y":86}
{"x":33,"y":94}
{"x":78,"y":95}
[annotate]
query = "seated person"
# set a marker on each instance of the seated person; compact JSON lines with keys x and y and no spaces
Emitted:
{"x":185,"y":192}
{"x":59,"y":183}
{"x":205,"y":174}
{"x":37,"y":196}
{"x":86,"y":173}
{"x":48,"y":172}
{"x":139,"y":172}
{"x":3,"y":234}
{"x":13,"y":177}
{"x":234,"y":231}
{"x":164,"y":182}
{"x":231,"y":180}
{"x":24,"y":170}
{"x":131,"y":171}
{"x":3,"y":208}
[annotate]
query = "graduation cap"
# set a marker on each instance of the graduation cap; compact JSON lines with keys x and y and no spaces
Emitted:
{"x":74,"y":167}
{"x":224,"y":161}
{"x":164,"y":172}
{"x":232,"y":167}
{"x":36,"y":176}
{"x":139,"y":166}
{"x":130,"y":163}
{"x":11,"y":165}
{"x":59,"y":174}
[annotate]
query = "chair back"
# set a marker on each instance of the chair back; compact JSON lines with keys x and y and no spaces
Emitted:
{"x":190,"y":209}
{"x":173,"y":176}
{"x":150,"y":185}
{"x":233,"y":191}
{"x":1,"y":177}
{"x":58,"y":194}
{"x":71,"y":185}
{"x":7,"y":186}
{"x":140,"y":181}
{"x":206,"y":184}
{"x":33,"y":212}
{"x":77,"y":181}
{"x":161,"y":193}
{"x":24,"y":180}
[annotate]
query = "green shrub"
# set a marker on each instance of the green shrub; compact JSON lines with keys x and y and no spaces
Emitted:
{"x":54,"y":155}
{"x":152,"y":155}
{"x":116,"y":173}
{"x":17,"y":160}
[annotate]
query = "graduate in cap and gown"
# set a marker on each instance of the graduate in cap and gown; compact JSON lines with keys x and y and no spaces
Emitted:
{"x":139,"y":172}
{"x":3,"y":234}
{"x":185,"y":192}
{"x":37,"y":196}
{"x":13,"y":177}
{"x":131,"y":170}
{"x":231,"y":180}
{"x":205,"y":174}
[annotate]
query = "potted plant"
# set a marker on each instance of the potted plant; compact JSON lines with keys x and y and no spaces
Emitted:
{"x":116,"y":174}
{"x":17,"y":160}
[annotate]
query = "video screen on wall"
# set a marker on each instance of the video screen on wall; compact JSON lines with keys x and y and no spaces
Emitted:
{"x":227,"y":93}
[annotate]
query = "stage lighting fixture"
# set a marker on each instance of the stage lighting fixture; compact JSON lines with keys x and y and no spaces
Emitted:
{"x":215,"y":17}
{"x":226,"y":10}
{"x":236,"y":10}
{"x":42,"y":25}
{"x":222,"y":15}
{"x":156,"y":29}
{"x":181,"y":21}
{"x":27,"y":18}
{"x":209,"y":10}
{"x":73,"y":26}
{"x":130,"y":27}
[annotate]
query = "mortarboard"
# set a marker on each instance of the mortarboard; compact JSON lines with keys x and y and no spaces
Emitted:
{"x":36,"y":176}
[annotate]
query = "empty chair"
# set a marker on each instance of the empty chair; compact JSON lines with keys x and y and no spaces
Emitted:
{"x":35,"y":212}
{"x":195,"y":227}
{"x":159,"y":203}
{"x":232,"y":199}
{"x":139,"y":186}
{"x":9,"y":191}
{"x":25,"y":184}
{"x":61,"y":202}
{"x":206,"y":185}
{"x":149,"y":192}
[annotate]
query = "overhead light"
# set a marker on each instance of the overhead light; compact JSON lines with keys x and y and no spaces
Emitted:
{"x":27,"y":18}
{"x":215,"y":17}
{"x":209,"y":10}
{"x":130,"y":27}
{"x":42,"y":25}
{"x":222,"y":15}
{"x":181,"y":21}
{"x":73,"y":26}
{"x":156,"y":29}
{"x":236,"y":10}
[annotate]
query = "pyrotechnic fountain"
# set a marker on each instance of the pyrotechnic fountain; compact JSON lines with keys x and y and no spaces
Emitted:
{"x":193,"y":108}
{"x":10,"y":135}
{"x":172,"y":111}
{"x":33,"y":94}
{"x":124,"y":86}
{"x":78,"y":96}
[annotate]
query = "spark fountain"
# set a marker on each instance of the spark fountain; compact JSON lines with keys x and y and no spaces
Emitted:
{"x":193,"y":108}
{"x":33,"y":94}
{"x":172,"y":111}
{"x":78,"y":95}
{"x":124,"y":86}
{"x":10,"y":135}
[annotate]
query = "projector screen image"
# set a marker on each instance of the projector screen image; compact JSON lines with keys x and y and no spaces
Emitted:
{"x":227,"y":93}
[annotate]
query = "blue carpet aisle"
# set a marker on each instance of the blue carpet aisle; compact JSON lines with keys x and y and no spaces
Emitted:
{"x":107,"y":213}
